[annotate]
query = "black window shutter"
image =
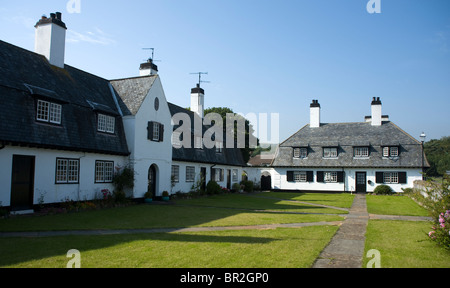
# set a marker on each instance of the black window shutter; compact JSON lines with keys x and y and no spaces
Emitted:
{"x":309,"y":176}
{"x":340,"y":176}
{"x":402,"y":178}
{"x":161,"y":132}
{"x":379,"y":177}
{"x":290,"y":176}
{"x":150,"y":131}
{"x":320,"y":177}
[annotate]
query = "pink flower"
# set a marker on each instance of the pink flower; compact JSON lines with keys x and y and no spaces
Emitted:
{"x":431,"y":234}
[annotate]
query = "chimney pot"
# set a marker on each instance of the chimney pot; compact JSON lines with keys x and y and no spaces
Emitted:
{"x":58,"y":16}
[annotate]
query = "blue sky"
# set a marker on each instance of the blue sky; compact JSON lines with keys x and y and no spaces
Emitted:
{"x":268,"y":56}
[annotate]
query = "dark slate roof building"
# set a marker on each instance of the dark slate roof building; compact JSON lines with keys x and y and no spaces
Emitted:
{"x":79,"y":97}
{"x":227,"y":156}
{"x":346,"y":138}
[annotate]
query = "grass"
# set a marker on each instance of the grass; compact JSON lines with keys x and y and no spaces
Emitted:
{"x":404,"y":244}
{"x":278,"y":248}
{"x":394,"y":205}
{"x":401,"y":243}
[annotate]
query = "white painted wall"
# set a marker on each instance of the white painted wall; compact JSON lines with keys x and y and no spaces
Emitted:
{"x":279,"y":179}
{"x":45,"y":173}
{"x":144,"y":152}
{"x":184,"y":187}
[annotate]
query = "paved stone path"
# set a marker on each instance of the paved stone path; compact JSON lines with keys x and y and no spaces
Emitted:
{"x":346,"y":248}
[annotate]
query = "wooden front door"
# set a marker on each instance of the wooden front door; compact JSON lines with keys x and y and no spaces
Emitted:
{"x":361,"y":182}
{"x":22,"y":182}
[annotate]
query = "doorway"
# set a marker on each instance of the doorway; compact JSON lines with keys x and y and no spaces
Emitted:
{"x":22,"y":182}
{"x":203,"y":178}
{"x":152,"y":180}
{"x":266,"y":181}
{"x":361,"y":182}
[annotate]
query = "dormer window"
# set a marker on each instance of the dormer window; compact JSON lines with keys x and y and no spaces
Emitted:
{"x":391,"y":151}
{"x":106,"y":124}
{"x":48,"y":112}
{"x":300,"y":152}
{"x":361,"y":152}
{"x":330,"y":152}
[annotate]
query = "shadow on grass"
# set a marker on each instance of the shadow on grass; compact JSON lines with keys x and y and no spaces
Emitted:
{"x":17,"y":251}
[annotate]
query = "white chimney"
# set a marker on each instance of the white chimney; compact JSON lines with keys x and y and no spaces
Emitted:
{"x":315,"y":114}
{"x":50,"y":39}
{"x":376,"y":118}
{"x":198,"y":100}
{"x":148,"y":68}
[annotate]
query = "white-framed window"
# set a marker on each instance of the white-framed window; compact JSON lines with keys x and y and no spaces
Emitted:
{"x":218,"y":174}
{"x":300,"y":176}
{"x":390,"y":177}
{"x":234,"y":176}
{"x":190,"y":174}
{"x":330,"y":152}
{"x":330,"y":177}
{"x":104,"y":171}
{"x":361,"y":152}
{"x":175,"y":174}
{"x":106,"y":123}
{"x":156,"y":131}
{"x":392,"y":151}
{"x":67,"y":171}
{"x":48,"y":112}
{"x":300,"y":153}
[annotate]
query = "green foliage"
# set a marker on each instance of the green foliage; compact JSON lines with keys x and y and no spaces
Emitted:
{"x":236,"y":187}
{"x":383,"y":190}
{"x":223,"y":111}
{"x":248,"y":185}
{"x":437,"y":202}
{"x":213,"y":188}
{"x":123,"y":178}
{"x":438,"y":155}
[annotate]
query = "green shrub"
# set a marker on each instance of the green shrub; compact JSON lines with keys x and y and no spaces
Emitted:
{"x":213,"y":188}
{"x":236,"y":187}
{"x":383,"y":190}
{"x":248,"y":185}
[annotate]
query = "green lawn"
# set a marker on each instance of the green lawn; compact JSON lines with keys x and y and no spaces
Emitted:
{"x":394,"y":205}
{"x":342,"y":200}
{"x":278,"y":248}
{"x":404,"y":244}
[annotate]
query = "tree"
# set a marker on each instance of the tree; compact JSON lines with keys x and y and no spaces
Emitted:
{"x":223,"y":111}
{"x":438,"y":155}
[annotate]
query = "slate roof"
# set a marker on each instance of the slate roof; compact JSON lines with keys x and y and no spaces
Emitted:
{"x":133,"y":91}
{"x":346,"y":136}
{"x":26,"y":76}
{"x":229,"y":156}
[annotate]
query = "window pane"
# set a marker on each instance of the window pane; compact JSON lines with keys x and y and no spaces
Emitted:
{"x":42,"y":110}
{"x":394,"y":151}
{"x":296,"y":152}
{"x":330,"y":152}
{"x":175,"y":173}
{"x":155,"y":131}
{"x":386,"y":152}
{"x":190,"y":174}
{"x":303,"y":152}
{"x":361,"y":152}
{"x":330,"y":176}
{"x":55,"y":113}
{"x":73,"y":171}
{"x":61,"y":171}
{"x":300,"y":176}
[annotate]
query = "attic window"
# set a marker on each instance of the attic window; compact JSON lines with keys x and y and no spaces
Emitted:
{"x":106,"y":123}
{"x":330,"y":152}
{"x":361,"y":152}
{"x":392,"y":151}
{"x":300,"y":153}
{"x":48,"y":112}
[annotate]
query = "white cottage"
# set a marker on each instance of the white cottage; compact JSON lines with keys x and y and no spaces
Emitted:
{"x":64,"y":132}
{"x":348,"y":157}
